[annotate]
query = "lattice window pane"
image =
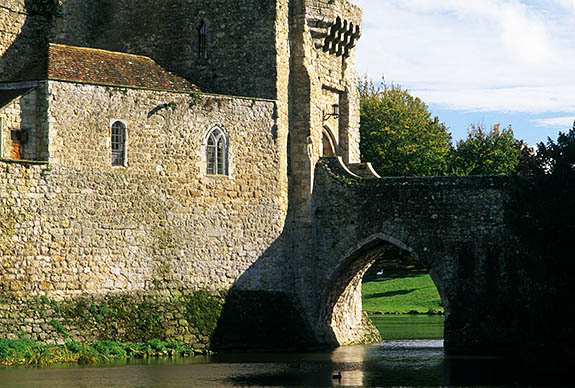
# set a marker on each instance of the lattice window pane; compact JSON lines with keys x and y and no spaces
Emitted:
{"x":212,"y":159}
{"x":203,"y":41}
{"x":221,"y":156}
{"x":216,"y":153}
{"x":118,"y":144}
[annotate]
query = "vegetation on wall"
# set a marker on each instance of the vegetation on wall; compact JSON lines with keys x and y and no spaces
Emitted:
{"x":188,"y":318}
{"x":24,"y":351}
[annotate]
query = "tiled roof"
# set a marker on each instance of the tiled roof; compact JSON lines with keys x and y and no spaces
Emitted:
{"x":101,"y":67}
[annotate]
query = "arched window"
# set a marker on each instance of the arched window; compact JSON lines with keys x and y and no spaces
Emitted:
{"x":217,"y":153}
{"x":118,"y":143}
{"x":203,"y":41}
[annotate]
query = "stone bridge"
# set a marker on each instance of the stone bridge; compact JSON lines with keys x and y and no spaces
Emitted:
{"x":452,"y":226}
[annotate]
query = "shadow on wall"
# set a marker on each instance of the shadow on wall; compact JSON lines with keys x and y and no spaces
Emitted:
{"x":72,"y":22}
{"x":258,"y":314}
{"x":32,"y":38}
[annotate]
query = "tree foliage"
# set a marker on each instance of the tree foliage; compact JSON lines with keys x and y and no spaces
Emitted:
{"x":541,"y":212}
{"x":493,"y":152}
{"x":398,"y":135}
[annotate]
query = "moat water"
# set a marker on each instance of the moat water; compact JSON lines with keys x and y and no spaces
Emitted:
{"x":414,"y":362}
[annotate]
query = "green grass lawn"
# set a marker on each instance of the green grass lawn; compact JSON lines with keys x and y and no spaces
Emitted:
{"x":401,"y":327}
{"x":401,"y":293}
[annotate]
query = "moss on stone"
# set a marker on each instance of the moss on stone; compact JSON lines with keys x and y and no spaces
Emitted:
{"x":188,"y":318}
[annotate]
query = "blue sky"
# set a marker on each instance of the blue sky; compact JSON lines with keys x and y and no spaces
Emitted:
{"x":477,"y":61}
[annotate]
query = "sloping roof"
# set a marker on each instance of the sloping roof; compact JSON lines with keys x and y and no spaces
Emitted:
{"x":102,"y":67}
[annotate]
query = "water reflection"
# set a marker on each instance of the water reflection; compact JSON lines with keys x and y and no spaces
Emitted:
{"x":406,"y":363}
{"x":393,"y":363}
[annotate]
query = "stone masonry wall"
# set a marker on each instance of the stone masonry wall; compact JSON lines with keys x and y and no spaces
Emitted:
{"x":24,"y":28}
{"x":242,"y":50}
{"x":241,"y":45}
{"x":26,"y":115}
{"x":158,"y":228}
{"x":320,"y":77}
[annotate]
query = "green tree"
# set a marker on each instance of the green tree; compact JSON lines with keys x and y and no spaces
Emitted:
{"x":541,"y":212}
{"x":398,"y":135}
{"x":493,"y":152}
{"x":543,"y":208}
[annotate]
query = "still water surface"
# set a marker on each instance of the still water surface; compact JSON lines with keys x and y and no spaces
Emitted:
{"x":414,"y":362}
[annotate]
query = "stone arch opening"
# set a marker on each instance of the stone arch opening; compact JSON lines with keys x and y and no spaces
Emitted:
{"x":328,"y":144}
{"x":342,"y":313}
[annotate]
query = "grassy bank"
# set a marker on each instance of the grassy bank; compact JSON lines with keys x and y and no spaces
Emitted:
{"x":26,"y":352}
{"x":401,"y":293}
{"x":401,"y":327}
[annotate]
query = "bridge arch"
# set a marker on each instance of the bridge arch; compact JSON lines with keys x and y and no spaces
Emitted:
{"x":341,"y":312}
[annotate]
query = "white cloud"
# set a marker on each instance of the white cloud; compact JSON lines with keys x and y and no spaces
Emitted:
{"x":513,"y":99}
{"x":563,"y":122}
{"x":567,"y":5}
{"x":506,"y":55}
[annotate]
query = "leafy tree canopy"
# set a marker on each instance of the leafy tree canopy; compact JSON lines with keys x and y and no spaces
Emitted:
{"x":541,"y":212}
{"x":493,"y":152}
{"x":398,"y":135}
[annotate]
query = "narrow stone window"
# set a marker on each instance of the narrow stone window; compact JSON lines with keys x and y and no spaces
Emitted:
{"x":118,"y":143}
{"x":217,"y":153}
{"x":203,"y":41}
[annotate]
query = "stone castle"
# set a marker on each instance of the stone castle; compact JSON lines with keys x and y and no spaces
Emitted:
{"x":161,"y":176}
{"x":153,"y":149}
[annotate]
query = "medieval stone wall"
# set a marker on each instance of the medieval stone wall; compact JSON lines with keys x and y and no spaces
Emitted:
{"x":333,"y":30}
{"x":242,"y":51}
{"x":23,"y":126}
{"x":78,"y":227}
{"x":24,"y":28}
{"x":240,"y":56}
{"x":320,"y":77}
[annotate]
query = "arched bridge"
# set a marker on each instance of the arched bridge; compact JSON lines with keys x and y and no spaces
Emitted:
{"x":452,"y":226}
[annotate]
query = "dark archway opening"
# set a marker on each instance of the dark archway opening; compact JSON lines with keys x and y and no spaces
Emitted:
{"x":401,"y":298}
{"x":377,"y":262}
